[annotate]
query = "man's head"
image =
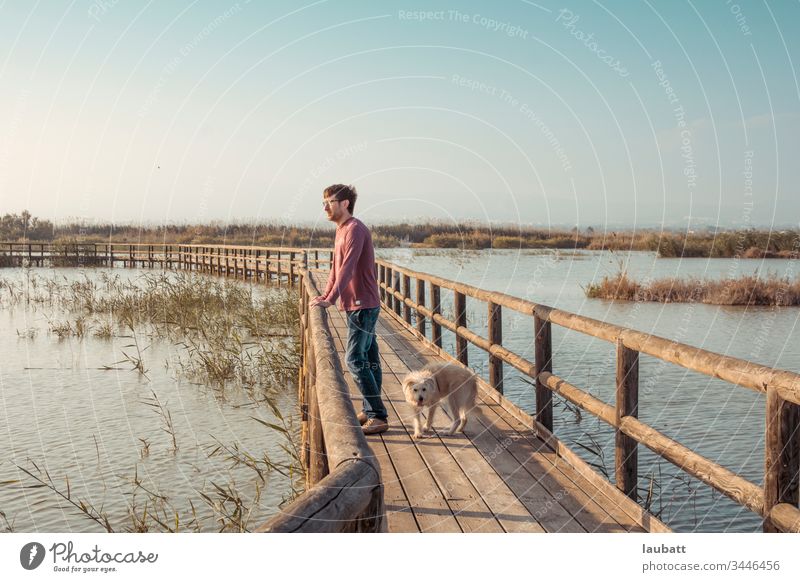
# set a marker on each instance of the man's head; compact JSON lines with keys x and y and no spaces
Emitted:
{"x":338,"y":201}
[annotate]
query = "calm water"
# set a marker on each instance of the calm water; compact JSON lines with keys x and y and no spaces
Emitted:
{"x":721,"y":421}
{"x":66,"y":411}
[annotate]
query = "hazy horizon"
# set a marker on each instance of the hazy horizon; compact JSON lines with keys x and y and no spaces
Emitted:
{"x":608,"y":114}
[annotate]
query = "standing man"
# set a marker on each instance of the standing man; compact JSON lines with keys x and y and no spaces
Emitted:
{"x":352,"y":281}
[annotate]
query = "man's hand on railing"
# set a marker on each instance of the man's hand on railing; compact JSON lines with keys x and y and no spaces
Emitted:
{"x":319,"y":301}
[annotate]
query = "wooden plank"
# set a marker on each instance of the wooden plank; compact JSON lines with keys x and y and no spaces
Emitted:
{"x":468,"y":506}
{"x":510,"y":410}
{"x":465,"y":502}
{"x":490,"y":465}
{"x":494,"y":417}
{"x":431,"y":511}
{"x":578,"y":496}
{"x":496,"y":495}
{"x":407,"y":468}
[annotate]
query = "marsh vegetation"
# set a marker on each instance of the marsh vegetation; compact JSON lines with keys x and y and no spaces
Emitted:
{"x":464,"y":235}
{"x":234,"y":344}
{"x":743,"y":290}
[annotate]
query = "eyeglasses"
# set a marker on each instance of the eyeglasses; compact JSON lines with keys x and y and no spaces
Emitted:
{"x":327,"y":203}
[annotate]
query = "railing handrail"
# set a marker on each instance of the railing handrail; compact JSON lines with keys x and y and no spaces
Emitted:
{"x":734,"y":370}
{"x":776,"y":501}
{"x":38,"y":244}
{"x":346,"y":492}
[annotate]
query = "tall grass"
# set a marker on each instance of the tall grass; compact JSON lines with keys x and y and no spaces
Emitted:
{"x":227,"y":336}
{"x":745,"y":290}
{"x":747,"y":243}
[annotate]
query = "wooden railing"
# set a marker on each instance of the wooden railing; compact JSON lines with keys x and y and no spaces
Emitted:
{"x":344,"y":492}
{"x":776,"y":502}
{"x":270,"y":264}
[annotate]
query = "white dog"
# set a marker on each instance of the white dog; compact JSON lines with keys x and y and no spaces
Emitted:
{"x":426,"y":388}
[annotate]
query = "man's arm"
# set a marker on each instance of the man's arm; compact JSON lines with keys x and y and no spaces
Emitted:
{"x":353,"y":244}
{"x":331,"y":279}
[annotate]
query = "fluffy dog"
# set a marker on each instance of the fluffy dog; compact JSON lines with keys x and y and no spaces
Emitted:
{"x":426,"y":388}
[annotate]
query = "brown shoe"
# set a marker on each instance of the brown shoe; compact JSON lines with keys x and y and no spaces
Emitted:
{"x":375,"y":426}
{"x":362,"y":418}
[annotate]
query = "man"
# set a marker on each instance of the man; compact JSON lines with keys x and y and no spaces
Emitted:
{"x":352,"y":280}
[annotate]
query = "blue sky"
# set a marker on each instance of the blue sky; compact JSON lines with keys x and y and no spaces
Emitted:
{"x":588,"y":113}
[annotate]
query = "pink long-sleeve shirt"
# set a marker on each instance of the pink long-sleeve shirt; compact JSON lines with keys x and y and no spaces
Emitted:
{"x":352,"y":279}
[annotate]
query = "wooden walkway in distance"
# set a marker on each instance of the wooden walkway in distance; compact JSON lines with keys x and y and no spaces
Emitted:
{"x":496,"y":477}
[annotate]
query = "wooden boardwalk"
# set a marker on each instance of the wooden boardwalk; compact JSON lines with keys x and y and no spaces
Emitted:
{"x":496,"y":477}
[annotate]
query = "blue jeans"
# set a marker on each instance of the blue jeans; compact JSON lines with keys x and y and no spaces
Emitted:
{"x":363,"y":360}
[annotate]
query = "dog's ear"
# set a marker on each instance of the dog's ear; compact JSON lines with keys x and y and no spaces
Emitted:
{"x":407,"y":389}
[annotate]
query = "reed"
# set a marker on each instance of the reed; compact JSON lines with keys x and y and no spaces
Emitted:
{"x":746,"y":290}
{"x":28,"y":333}
{"x":711,"y":242}
{"x":166,"y":417}
{"x":42,"y":478}
{"x":8,"y":526}
{"x":228,"y":336}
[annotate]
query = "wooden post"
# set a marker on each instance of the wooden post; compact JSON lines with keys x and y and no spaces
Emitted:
{"x":782,"y":456}
{"x":381,"y":279}
{"x":421,"y":301}
{"x":436,"y":307}
{"x":396,"y":287}
{"x":495,"y":318}
{"x":389,"y":290}
{"x":302,"y":396}
{"x":460,"y":304}
{"x":318,"y":462}
{"x":543,"y":362}
{"x":626,"y":465}
{"x":406,"y":295}
{"x":291,"y":269}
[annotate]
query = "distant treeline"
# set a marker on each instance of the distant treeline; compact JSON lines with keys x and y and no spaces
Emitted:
{"x":465,"y":235}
